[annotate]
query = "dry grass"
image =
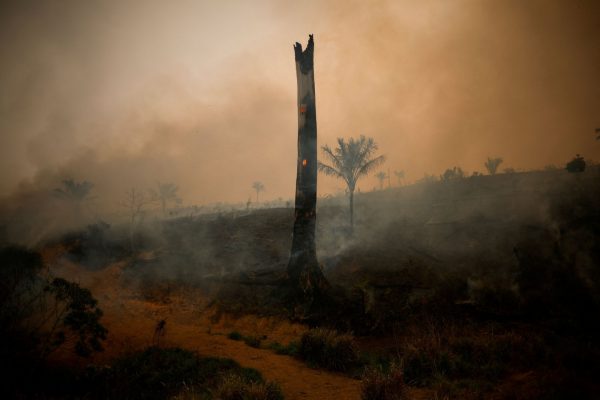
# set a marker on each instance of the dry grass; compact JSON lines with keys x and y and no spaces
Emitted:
{"x":235,"y":387}
{"x":378,"y":384}
{"x":329,"y":349}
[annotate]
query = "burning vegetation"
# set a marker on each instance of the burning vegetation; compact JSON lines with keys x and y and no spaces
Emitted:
{"x":462,"y":285}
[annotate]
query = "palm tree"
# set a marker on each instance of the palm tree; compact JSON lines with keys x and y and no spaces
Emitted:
{"x":349,"y":161}
{"x":164,"y":193}
{"x":382,"y":176}
{"x":492,"y":164}
{"x":400,"y":176}
{"x":75,"y":194}
{"x":258,"y":187}
{"x":74,"y":191}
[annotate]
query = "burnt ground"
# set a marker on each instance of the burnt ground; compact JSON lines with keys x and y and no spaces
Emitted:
{"x":483,"y":287}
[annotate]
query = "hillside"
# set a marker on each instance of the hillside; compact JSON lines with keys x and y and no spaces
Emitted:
{"x":483,"y":287}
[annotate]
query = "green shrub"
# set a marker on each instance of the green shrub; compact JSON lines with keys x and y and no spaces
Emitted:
{"x":235,"y":387}
{"x":328,"y":349}
{"x":235,"y":335}
{"x":378,"y":384}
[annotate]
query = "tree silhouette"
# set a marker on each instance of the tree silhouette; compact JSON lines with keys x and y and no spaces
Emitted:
{"x":134,"y":202}
{"x":492,"y":164}
{"x":598,"y":132}
{"x":165,"y":193}
{"x":382,"y":176}
{"x":76,"y":194}
{"x":39,"y":313}
{"x":451,"y":174}
{"x":399,"y":176}
{"x":427,"y":178}
{"x":74,"y":191}
{"x":349,"y":161}
{"x":258,"y":187}
{"x":577,"y":164}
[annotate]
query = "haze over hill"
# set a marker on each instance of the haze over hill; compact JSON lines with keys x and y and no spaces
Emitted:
{"x":202,"y":93}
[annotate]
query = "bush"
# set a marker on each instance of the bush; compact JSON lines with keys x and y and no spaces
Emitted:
{"x":157,"y":373}
{"x":253,"y":341}
{"x":38,"y":315}
{"x":48,"y":312}
{"x":19,"y":284}
{"x":235,"y":387}
{"x":577,"y":164}
{"x":81,"y":317}
{"x":328,"y":349}
{"x":452,"y":174}
{"x":95,"y":246}
{"x":290,"y":350}
{"x":378,"y":384}
{"x":422,"y":365}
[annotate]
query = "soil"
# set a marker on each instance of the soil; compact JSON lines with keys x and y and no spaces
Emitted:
{"x":131,"y":322}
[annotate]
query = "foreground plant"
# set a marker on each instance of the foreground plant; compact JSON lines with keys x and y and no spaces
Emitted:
{"x":235,"y":387}
{"x":378,"y":384}
{"x":328,"y":349}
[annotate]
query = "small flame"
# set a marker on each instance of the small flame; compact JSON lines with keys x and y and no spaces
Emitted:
{"x":304,"y":163}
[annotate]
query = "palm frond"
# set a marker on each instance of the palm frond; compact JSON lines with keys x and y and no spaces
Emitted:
{"x":350,"y":159}
{"x":335,"y":159}
{"x":77,"y":191}
{"x":370,"y":165}
{"x":329,"y":170}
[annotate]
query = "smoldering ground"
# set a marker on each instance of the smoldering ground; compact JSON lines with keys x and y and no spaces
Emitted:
{"x":94,"y":94}
{"x":482,"y":234}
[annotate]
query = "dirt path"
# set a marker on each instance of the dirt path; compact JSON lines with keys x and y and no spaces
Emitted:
{"x":296,"y":379}
{"x":131,"y":322}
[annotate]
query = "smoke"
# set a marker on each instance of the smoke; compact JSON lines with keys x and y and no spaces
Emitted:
{"x":203,"y":94}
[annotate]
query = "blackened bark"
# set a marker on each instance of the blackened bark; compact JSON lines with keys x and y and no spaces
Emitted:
{"x":303,"y":269}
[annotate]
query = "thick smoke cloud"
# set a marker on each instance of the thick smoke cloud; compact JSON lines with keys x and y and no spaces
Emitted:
{"x":203,"y":94}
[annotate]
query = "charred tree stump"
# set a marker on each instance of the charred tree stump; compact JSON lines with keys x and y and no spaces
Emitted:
{"x":304,"y":271}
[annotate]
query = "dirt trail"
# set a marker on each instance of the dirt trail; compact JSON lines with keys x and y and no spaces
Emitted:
{"x":131,"y":322}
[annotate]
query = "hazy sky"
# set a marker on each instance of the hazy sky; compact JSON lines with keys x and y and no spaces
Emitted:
{"x":127,"y":93}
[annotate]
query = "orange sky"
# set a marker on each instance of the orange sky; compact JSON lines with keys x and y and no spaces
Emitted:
{"x":127,"y":93}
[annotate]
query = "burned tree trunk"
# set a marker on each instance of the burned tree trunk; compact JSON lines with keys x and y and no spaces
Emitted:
{"x":303,"y":269}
